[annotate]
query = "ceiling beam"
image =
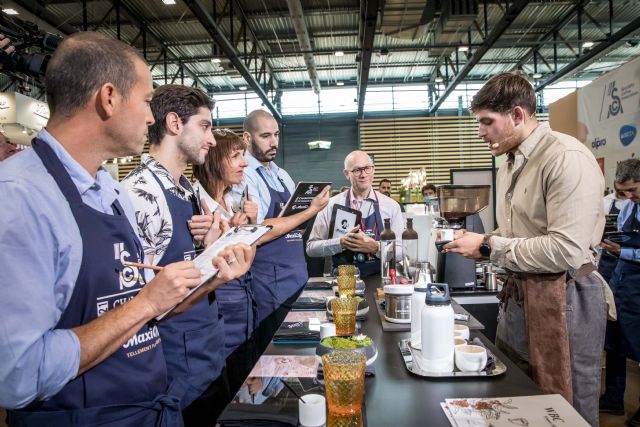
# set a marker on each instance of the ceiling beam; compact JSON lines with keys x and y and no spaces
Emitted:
{"x":369,"y":21}
{"x":549,"y":34}
{"x":207,"y":21}
{"x":302,"y":34}
{"x":500,"y":27}
{"x":592,"y":54}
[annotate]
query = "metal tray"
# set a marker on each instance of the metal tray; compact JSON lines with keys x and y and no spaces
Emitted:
{"x":408,"y":352}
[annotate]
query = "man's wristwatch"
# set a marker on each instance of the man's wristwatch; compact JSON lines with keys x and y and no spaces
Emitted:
{"x":485,"y":247}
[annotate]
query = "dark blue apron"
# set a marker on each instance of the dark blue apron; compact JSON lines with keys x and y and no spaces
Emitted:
{"x":622,"y":335}
{"x":128,"y":388}
{"x":238,"y":307}
{"x":279,"y":269}
{"x":193,"y":341}
{"x":608,"y":262}
{"x":372,"y":226}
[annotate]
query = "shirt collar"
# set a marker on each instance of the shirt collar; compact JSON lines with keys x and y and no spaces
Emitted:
{"x":255,"y":164}
{"x":531,"y":142}
{"x":165,"y":177}
{"x":79,"y":175}
{"x":370,"y":196}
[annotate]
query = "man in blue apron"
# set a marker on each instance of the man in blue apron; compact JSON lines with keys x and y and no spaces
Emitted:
{"x":360,"y":245}
{"x":622,"y":339}
{"x":171,"y":221}
{"x":613,"y":203}
{"x":279,"y":270}
{"x":78,"y":349}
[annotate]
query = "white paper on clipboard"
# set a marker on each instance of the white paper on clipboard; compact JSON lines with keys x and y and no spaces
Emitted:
{"x":248,"y":234}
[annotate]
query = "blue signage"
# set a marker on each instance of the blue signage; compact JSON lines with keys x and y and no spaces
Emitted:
{"x":627,"y":134}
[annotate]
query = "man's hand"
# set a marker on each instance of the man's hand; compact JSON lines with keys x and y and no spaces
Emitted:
{"x":250,"y":209}
{"x":217,"y":228}
{"x":169,"y":287}
{"x":201,"y":224}
{"x":5,"y":44}
{"x":321,"y":200}
{"x":611,"y":247}
{"x":238,"y":218}
{"x":466,"y":244}
{"x":254,"y":385}
{"x":357,"y":241}
{"x":234,"y":261}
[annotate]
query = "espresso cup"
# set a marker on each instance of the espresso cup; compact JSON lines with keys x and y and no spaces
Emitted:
{"x":327,"y":330}
{"x":459,"y":341}
{"x":470,"y":358}
{"x":312,"y":412}
{"x":461,"y":331}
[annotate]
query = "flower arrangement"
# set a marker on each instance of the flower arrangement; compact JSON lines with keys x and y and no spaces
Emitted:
{"x":411,"y":186}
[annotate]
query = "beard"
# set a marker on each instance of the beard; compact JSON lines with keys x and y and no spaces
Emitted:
{"x":192,"y":152}
{"x":261,"y":155}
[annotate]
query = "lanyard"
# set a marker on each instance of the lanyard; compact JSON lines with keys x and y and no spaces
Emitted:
{"x":363,"y":227}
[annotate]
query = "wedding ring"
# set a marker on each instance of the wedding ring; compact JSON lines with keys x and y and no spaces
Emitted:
{"x":231,"y":261}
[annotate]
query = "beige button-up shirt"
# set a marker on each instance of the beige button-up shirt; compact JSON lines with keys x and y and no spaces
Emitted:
{"x":549,"y":205}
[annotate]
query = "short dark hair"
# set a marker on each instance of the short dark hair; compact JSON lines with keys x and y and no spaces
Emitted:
{"x":503,"y":92}
{"x":182,"y":100}
{"x":213,"y":168}
{"x":627,"y":170}
{"x":384,"y":180}
{"x":428,"y":187}
{"x":82,"y":64}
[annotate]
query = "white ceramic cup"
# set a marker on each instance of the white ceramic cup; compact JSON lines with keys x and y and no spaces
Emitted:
{"x":461,"y":331}
{"x":470,"y":358}
{"x":312,"y":412}
{"x":459,"y":341}
{"x":446,"y":234}
{"x":327,"y":330}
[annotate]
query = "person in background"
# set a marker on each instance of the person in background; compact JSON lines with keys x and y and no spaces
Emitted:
{"x":364,"y":239}
{"x":77,"y":347}
{"x":549,"y":212}
{"x":174,"y":225}
{"x":384,"y":187}
{"x":612,"y":203}
{"x":220,"y":183}
{"x":279,"y":270}
{"x":429,"y":192}
{"x":343,"y":188}
{"x":623,"y":340}
{"x":7,"y":148}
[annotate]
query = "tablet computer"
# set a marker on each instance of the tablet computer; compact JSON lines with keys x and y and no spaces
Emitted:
{"x":343,"y":220}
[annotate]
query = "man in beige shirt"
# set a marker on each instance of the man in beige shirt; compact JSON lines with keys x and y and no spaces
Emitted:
{"x":549,"y":212}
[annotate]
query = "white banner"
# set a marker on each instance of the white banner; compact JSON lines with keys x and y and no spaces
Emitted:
{"x":609,"y":117}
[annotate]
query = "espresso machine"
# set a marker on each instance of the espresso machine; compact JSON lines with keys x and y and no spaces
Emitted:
{"x":459,"y":207}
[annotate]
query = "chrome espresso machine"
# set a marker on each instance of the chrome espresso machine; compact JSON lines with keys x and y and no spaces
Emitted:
{"x":459,"y":207}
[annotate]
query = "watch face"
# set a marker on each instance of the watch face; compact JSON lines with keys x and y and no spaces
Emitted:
{"x":485,"y":250}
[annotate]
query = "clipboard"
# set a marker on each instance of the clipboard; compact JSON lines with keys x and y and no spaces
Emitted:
{"x":248,"y":234}
{"x":343,"y":220}
{"x":626,"y":239}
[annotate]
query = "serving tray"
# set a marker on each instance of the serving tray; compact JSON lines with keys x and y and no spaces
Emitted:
{"x":408,"y":353}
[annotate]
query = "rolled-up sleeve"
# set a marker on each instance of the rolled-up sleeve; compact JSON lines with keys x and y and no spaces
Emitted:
{"x":319,"y":244}
{"x":574,"y":216}
{"x":39,"y":269}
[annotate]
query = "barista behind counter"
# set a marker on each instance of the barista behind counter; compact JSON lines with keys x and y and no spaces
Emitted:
{"x":359,"y":169}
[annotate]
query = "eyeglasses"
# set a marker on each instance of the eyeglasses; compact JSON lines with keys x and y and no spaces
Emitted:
{"x":368,"y":170}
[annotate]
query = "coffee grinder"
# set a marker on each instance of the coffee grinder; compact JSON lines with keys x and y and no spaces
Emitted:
{"x":459,"y":207}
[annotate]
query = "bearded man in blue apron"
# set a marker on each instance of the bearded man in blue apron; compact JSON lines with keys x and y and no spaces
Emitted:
{"x":78,"y":348}
{"x":612,"y":204}
{"x":174,"y":224}
{"x":360,"y":245}
{"x":279,"y":270}
{"x":623,"y":339}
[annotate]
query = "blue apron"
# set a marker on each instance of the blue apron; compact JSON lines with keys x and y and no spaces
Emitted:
{"x":127,"y":388}
{"x":622,"y":335}
{"x":608,"y":262}
{"x":279,"y":269}
{"x":372,"y":226}
{"x":193,"y":341}
{"x":238,"y":307}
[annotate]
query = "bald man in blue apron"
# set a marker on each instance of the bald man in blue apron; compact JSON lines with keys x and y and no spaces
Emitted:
{"x":80,"y":350}
{"x":279,"y":270}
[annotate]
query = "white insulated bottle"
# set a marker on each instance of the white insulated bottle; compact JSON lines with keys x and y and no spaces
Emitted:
{"x":437,"y":321}
{"x":422,"y":280}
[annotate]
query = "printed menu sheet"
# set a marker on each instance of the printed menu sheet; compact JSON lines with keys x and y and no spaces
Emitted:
{"x":550,"y":410}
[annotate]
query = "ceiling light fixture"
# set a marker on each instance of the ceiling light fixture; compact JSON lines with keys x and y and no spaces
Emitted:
{"x":216,"y":60}
{"x":169,"y":1}
{"x":10,"y":11}
{"x":537,"y":75}
{"x":339,"y":83}
{"x":463,"y":48}
{"x":338,"y":53}
{"x":24,"y":130}
{"x":439,"y":79}
{"x":242,"y":88}
{"x":587,"y":45}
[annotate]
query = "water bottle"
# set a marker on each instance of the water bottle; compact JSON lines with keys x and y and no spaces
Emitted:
{"x":421,"y":281}
{"x":437,"y":325}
